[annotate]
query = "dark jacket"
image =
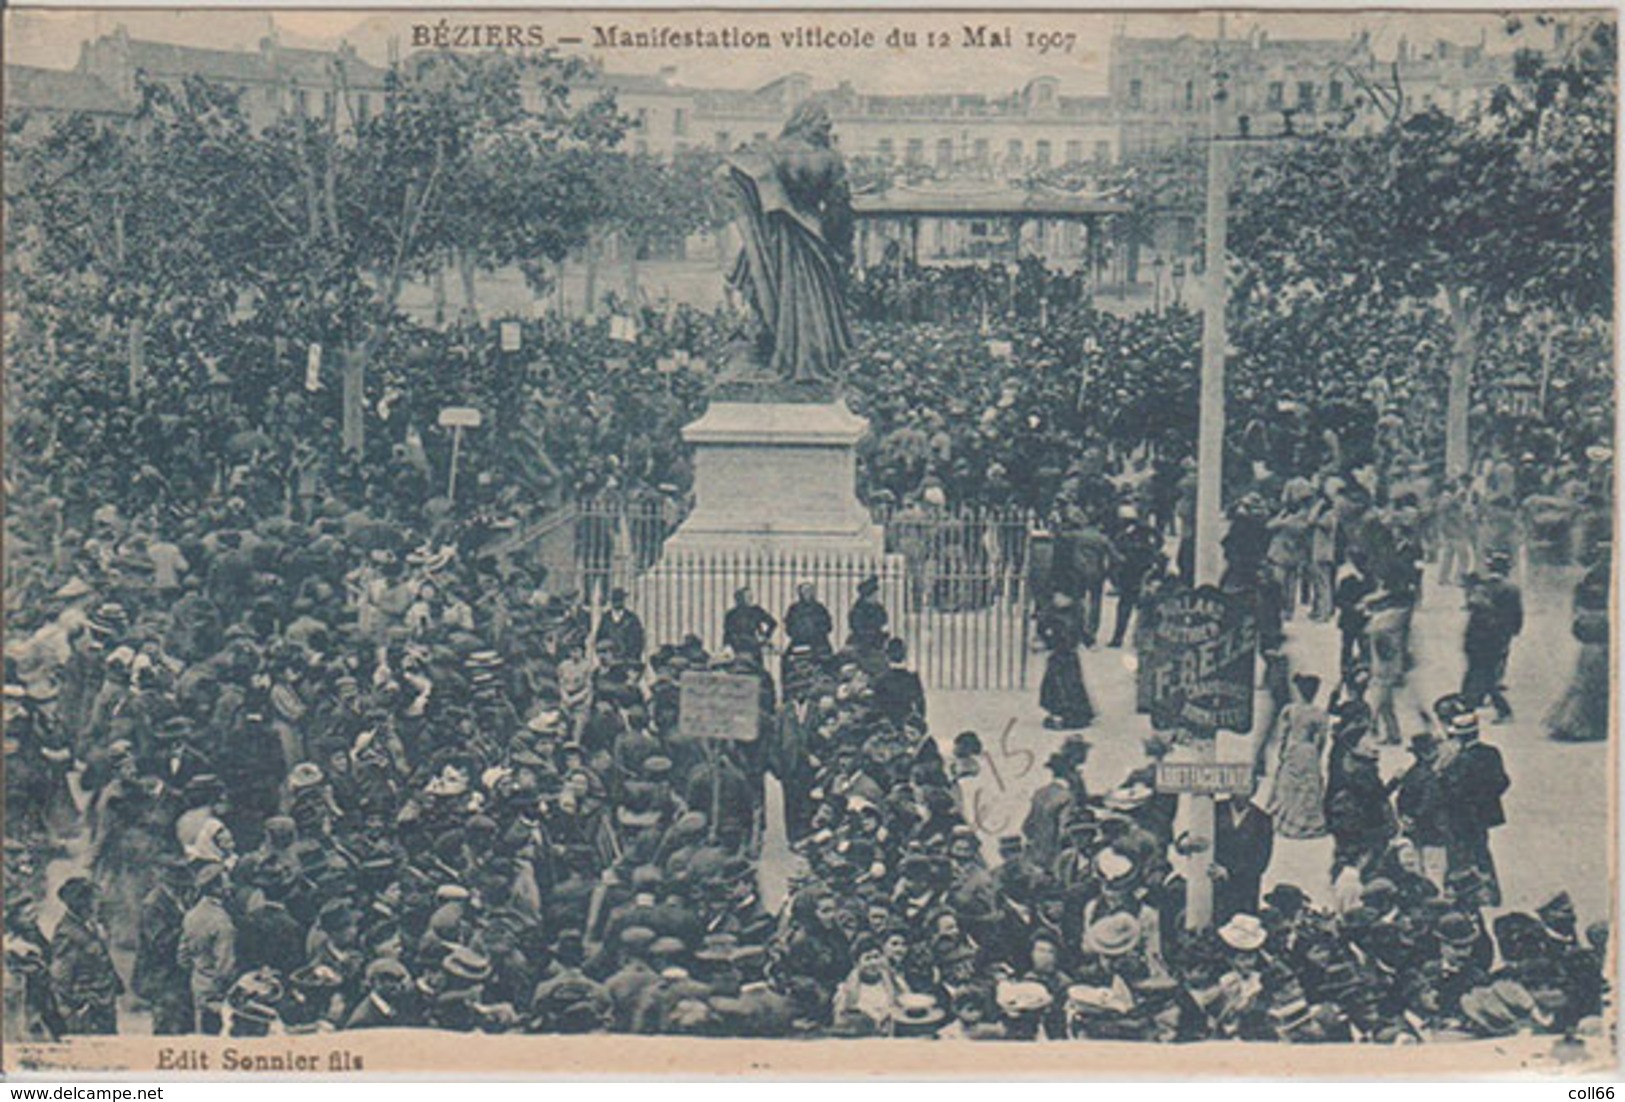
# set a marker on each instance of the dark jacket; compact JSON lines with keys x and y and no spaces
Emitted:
{"x":626,"y":633}
{"x":808,"y":623}
{"x":867,"y":622}
{"x":1421,"y":803}
{"x":159,"y":936}
{"x":1474,"y":782}
{"x":1494,"y":616}
{"x":82,"y":972}
{"x":899,"y":695}
{"x":747,"y":628}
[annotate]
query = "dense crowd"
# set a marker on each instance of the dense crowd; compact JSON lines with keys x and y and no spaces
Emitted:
{"x":318,"y":779}
{"x":310,"y":760}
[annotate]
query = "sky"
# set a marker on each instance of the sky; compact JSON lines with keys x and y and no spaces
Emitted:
{"x":51,"y":38}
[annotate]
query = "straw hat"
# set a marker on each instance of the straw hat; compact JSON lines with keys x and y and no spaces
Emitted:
{"x":1112,"y":936}
{"x":1244,"y":933}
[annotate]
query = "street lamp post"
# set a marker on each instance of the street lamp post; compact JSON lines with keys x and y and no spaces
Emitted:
{"x":1178,"y":276}
{"x":1199,"y":809}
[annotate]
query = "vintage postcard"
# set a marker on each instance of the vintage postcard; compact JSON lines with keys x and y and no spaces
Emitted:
{"x":824,"y":543}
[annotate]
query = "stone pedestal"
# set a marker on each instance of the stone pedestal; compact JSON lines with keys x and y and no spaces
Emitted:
{"x":776,"y":478}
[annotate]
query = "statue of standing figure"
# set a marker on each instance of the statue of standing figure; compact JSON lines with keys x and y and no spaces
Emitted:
{"x":795,"y":215}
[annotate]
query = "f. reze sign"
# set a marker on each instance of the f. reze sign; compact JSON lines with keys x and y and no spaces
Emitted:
{"x":1197,"y":653}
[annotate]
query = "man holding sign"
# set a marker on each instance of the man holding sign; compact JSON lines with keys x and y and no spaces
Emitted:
{"x":720,"y":710}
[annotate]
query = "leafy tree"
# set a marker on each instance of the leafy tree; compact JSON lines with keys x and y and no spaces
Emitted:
{"x":1480,"y":215}
{"x":526,"y":189}
{"x":654,"y":203}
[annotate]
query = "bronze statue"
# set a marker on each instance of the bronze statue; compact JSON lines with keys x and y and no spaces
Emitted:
{"x":795,"y":214}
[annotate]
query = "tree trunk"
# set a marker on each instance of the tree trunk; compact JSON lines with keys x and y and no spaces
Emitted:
{"x":1463,"y":349}
{"x":465,"y":271}
{"x":591,"y":304}
{"x":438,"y":285}
{"x":138,"y":355}
{"x":631,"y":248}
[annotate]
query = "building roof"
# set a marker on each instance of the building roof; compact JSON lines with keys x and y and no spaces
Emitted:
{"x":168,"y":59}
{"x":28,"y":87}
{"x":270,"y":63}
{"x":635,"y":84}
{"x":312,"y":65}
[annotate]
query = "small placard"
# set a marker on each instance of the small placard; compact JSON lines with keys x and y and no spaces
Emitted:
{"x":718,"y":706}
{"x":510,"y":336}
{"x":460,"y":417}
{"x":1205,"y":778}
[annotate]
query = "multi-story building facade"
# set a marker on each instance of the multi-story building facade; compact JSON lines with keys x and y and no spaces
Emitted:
{"x":1161,"y":88}
{"x":1157,"y":97}
{"x":274,"y":81}
{"x":951,"y":133}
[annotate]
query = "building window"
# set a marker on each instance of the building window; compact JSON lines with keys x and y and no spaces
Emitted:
{"x":722,"y":141}
{"x":916,"y":150}
{"x":1306,"y":95}
{"x":679,"y":121}
{"x":301,"y":102}
{"x":1334,"y":94}
{"x":1103,"y":153}
{"x":885,"y":150}
{"x":1190,"y":95}
{"x":1012,"y":151}
{"x":983,"y":151}
{"x":1074,"y":153}
{"x":945,"y":152}
{"x":1136,"y":91}
{"x":640,"y":119}
{"x":327,"y":105}
{"x":759,"y":136}
{"x":1277,"y":94}
{"x":1043,"y":154}
{"x":363,"y":107}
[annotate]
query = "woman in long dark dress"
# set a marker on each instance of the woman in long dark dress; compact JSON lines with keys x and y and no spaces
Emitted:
{"x":1062,"y":695}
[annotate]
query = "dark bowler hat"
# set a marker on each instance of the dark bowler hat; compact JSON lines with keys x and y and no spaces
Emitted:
{"x":1457,"y":929}
{"x":76,"y":893}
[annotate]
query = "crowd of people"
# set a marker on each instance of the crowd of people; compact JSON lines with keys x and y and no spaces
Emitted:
{"x":285,"y":752}
{"x":294,"y":775}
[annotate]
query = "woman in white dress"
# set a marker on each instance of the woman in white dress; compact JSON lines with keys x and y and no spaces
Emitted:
{"x":1297,"y":799}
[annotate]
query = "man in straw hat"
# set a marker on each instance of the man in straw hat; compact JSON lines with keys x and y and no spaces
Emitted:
{"x":1474,"y":781}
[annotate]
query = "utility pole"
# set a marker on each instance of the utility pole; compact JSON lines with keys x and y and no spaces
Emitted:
{"x":1199,"y":811}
